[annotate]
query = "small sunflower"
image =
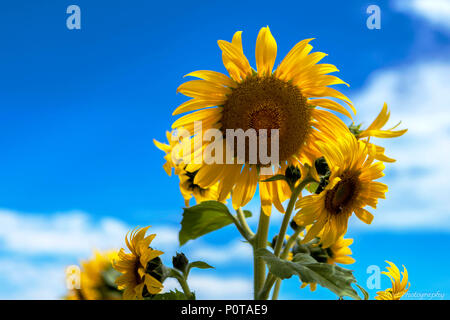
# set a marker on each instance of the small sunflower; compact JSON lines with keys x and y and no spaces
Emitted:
{"x":171,"y":157}
{"x":189,"y":189}
{"x":285,"y":99}
{"x":339,"y":252}
{"x":139,"y":276}
{"x":350,"y":189}
{"x":93,"y":285}
{"x":399,"y":285}
{"x":174,"y":160}
{"x":376,"y":130}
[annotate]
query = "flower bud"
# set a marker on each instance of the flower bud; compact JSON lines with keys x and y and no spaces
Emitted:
{"x":180,"y":261}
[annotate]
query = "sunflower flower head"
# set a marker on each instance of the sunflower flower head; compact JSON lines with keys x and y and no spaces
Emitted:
{"x":93,"y":285}
{"x":286,"y":99}
{"x":350,"y":188}
{"x":376,"y":129}
{"x":141,"y":268}
{"x":400,"y":285}
{"x":339,"y":252}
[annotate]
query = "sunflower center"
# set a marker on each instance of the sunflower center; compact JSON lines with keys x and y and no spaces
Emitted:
{"x":342,"y":195}
{"x":268,"y":103}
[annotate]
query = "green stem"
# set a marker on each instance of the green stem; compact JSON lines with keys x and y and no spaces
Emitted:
{"x":290,"y":243}
{"x":183,"y":283}
{"x":287,"y":216}
{"x":260,"y":242}
{"x":244,"y":224}
{"x":276,"y":290}
{"x":284,"y":255}
{"x":246,"y":233}
{"x":265,"y":291}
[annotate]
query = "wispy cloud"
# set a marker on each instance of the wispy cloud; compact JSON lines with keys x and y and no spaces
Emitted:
{"x":36,"y":249}
{"x":435,"y":11}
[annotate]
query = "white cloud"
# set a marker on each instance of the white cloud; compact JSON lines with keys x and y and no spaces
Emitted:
{"x":70,"y":233}
{"x":435,"y":11}
{"x":419,"y":182}
{"x":230,"y":253}
{"x":39,"y":247}
{"x":215,"y":287}
{"x":23,"y":279}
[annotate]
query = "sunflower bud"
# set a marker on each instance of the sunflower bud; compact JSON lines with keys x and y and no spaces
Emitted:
{"x":321,"y":166}
{"x":292,"y":174}
{"x":180,"y":261}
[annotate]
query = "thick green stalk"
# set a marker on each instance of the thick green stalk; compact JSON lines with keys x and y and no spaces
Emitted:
{"x":260,"y":242}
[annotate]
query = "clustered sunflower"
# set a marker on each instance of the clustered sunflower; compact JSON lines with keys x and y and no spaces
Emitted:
{"x":338,"y":164}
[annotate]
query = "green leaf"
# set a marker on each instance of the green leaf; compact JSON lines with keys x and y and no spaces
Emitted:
{"x":364,"y":292}
{"x":204,"y":218}
{"x":200,"y":264}
{"x":275,"y":178}
{"x":171,"y":295}
{"x":197,"y":264}
{"x":335,"y":278}
{"x":312,"y":187}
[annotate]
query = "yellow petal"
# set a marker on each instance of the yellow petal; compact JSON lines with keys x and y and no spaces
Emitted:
{"x":265,"y":52}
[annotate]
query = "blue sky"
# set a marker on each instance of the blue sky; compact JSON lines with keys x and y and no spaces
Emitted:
{"x":79,"y":110}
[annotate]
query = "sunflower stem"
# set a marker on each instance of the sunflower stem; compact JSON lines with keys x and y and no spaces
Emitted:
{"x":244,"y":224}
{"x":260,"y":242}
{"x":244,"y":231}
{"x":276,"y":290}
{"x":287,"y":216}
{"x":183,"y":283}
{"x":271,"y":279}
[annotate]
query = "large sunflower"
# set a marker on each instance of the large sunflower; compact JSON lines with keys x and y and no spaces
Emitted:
{"x":399,"y":285}
{"x":139,"y":275}
{"x":350,"y":189}
{"x":284,"y":99}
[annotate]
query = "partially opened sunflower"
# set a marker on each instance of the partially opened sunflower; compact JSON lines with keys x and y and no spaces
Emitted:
{"x":286,"y":99}
{"x":350,"y":189}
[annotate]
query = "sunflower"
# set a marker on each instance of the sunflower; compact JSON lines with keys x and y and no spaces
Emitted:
{"x":139,"y":275}
{"x":170,"y":149}
{"x":93,"y":285}
{"x":375,"y":129}
{"x":350,"y":189}
{"x":174,"y":160}
{"x":399,"y":285}
{"x":339,"y":252}
{"x":285,"y":99}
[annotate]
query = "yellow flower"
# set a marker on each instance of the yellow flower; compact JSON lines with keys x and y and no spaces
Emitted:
{"x":339,"y":252}
{"x":399,"y":285}
{"x":312,"y":286}
{"x":93,"y":286}
{"x":284,"y":99}
{"x":189,"y":189}
{"x":174,"y":160}
{"x":169,"y":149}
{"x":376,"y":130}
{"x":136,"y":279}
{"x":350,"y":189}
